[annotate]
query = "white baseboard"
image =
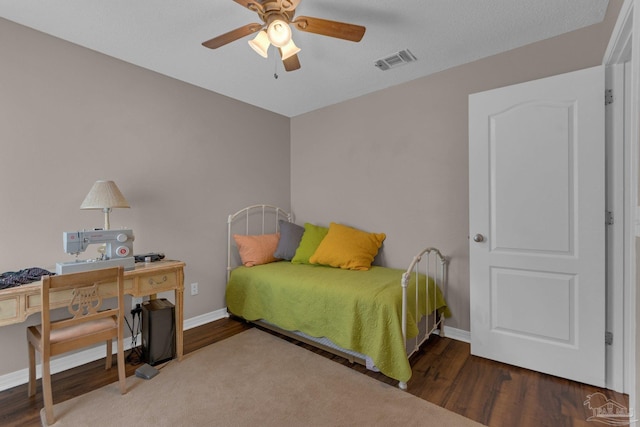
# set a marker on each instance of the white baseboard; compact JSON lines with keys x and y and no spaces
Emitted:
{"x":72,"y":360}
{"x":63,"y":363}
{"x":457,"y":334}
{"x":203,"y":319}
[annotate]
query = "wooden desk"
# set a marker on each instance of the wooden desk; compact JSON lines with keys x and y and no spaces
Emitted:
{"x":18,"y":303}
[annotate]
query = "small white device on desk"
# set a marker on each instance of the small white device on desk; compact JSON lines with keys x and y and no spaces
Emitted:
{"x":118,"y":250}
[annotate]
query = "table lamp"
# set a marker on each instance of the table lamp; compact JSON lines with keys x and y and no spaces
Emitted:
{"x":104,"y":195}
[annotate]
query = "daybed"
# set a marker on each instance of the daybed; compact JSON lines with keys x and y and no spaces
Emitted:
{"x":318,"y":284}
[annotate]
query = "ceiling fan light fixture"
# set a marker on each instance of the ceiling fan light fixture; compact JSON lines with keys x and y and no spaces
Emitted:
{"x":288,"y":50}
{"x":277,"y":17}
{"x":260,"y":43}
{"x":279,"y":33}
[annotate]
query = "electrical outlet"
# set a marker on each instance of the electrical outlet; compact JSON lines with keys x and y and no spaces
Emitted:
{"x":194,"y":288}
{"x":135,"y":301}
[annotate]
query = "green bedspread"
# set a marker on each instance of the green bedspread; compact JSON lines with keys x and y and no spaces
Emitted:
{"x":357,"y":310}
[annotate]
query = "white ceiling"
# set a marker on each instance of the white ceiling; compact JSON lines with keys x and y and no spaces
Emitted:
{"x":165,"y":36}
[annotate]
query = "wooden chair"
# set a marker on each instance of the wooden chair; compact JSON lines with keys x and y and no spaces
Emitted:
{"x":88,"y":325}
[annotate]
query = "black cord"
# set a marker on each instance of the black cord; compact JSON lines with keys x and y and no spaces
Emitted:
{"x":135,"y":353}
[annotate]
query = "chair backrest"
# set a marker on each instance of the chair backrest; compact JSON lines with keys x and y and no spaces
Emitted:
{"x":87,"y":297}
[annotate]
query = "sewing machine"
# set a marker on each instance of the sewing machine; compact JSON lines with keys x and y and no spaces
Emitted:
{"x":118,"y":250}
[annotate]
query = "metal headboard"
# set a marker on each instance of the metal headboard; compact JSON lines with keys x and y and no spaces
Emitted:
{"x":252,"y":215}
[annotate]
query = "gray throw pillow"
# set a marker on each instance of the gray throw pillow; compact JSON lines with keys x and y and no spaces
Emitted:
{"x":290,"y":235}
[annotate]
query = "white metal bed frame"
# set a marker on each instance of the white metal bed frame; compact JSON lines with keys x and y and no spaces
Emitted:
{"x":431,"y":260}
{"x":428,"y":261}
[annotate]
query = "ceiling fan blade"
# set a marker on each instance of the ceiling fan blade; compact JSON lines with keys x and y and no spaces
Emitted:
{"x":325,"y":27}
{"x":292,"y":63}
{"x":245,"y":3}
{"x":233,"y":35}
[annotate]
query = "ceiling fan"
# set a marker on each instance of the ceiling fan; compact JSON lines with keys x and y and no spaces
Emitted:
{"x":278,"y":17}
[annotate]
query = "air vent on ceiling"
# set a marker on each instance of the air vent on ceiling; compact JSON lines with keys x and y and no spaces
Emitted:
{"x":395,"y":60}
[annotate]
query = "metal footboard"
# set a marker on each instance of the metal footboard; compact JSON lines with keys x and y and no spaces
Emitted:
{"x":433,"y":264}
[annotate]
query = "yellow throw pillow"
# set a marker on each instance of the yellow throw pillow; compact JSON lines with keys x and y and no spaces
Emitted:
{"x":257,"y":249}
{"x":347,"y":248}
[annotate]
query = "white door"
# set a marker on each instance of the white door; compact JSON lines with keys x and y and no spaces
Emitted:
{"x":537,"y":225}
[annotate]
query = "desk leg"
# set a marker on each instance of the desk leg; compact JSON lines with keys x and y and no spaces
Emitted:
{"x":179,"y":322}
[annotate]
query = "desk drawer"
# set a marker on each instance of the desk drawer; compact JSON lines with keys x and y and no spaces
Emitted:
{"x":9,"y":308}
{"x":158,"y":282}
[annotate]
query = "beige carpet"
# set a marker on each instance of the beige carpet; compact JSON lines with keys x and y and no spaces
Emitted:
{"x":254,"y":379}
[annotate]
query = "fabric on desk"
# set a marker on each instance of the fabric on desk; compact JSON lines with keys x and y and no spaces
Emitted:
{"x":357,"y":310}
{"x":11,"y":279}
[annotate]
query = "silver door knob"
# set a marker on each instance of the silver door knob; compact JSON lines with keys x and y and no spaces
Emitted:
{"x":478,"y":238}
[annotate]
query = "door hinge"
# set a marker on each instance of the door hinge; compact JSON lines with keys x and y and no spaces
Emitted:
{"x":609,"y":218}
{"x":608,"y":338}
{"x":608,"y":96}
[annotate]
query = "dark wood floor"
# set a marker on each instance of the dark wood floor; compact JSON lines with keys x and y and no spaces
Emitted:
{"x":444,"y":373}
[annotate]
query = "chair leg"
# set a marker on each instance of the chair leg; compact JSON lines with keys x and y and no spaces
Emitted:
{"x":46,"y":391}
{"x":122,"y":375}
{"x":31,"y":389}
{"x":109,"y":358}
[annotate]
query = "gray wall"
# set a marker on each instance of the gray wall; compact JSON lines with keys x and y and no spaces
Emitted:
{"x":183,"y":157}
{"x":396,"y":161}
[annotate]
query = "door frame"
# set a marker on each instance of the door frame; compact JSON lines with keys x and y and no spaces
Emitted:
{"x":624,"y":47}
{"x":616,"y":240}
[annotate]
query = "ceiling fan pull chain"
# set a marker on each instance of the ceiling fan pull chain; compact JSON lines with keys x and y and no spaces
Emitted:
{"x":275,"y":68}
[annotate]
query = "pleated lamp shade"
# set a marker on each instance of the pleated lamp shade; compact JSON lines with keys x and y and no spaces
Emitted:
{"x":104,"y":195}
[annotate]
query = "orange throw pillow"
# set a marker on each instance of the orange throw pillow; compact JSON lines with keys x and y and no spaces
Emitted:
{"x":257,"y":249}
